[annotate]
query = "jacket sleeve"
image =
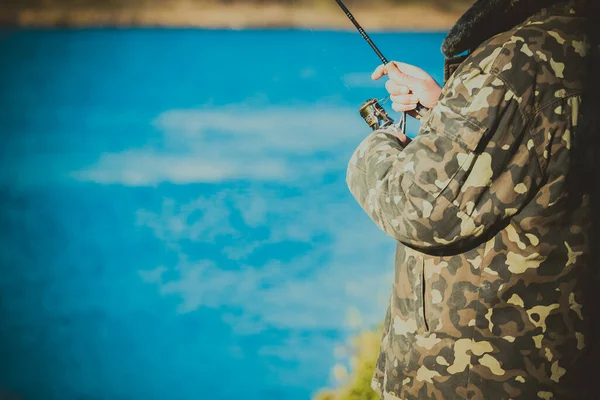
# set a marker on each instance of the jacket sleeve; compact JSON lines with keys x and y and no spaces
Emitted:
{"x":472,"y":165}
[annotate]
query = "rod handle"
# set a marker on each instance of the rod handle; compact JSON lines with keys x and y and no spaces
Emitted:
{"x":421,"y":109}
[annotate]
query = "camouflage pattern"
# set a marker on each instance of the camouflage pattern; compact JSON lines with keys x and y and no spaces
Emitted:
{"x":488,"y":296}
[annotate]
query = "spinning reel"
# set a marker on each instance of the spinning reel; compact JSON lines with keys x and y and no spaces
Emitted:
{"x":377,"y":118}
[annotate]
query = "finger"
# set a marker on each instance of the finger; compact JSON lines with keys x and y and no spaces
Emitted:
{"x":402,"y":137}
{"x":411,"y":70}
{"x":398,"y":76}
{"x":378,"y":73}
{"x":404,"y":99}
{"x":395,"y":89}
{"x":403,"y":107}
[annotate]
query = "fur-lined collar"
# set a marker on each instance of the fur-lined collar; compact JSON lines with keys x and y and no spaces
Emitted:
{"x":487,"y":18}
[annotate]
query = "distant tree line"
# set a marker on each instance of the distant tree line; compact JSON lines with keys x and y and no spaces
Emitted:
{"x":128,"y":4}
{"x":128,"y":13}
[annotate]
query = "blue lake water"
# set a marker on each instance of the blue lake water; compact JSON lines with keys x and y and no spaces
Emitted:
{"x":175,"y":220}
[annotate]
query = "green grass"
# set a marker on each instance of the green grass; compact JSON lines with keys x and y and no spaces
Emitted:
{"x":358,"y":385}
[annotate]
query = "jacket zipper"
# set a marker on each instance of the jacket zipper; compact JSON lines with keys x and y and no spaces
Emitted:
{"x":423,"y":294}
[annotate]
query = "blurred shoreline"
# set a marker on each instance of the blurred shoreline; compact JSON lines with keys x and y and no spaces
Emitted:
{"x":411,"y":17}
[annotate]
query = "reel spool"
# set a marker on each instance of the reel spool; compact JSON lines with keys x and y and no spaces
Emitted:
{"x":374,"y":115}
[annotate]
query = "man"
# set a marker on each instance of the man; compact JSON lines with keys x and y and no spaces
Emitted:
{"x":490,"y":211}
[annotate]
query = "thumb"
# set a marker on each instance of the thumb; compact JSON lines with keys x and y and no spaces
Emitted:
{"x":378,"y":73}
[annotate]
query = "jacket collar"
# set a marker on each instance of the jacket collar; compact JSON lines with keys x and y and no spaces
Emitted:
{"x":487,"y":18}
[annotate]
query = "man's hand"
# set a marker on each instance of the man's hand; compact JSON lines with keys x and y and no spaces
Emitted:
{"x":408,"y":85}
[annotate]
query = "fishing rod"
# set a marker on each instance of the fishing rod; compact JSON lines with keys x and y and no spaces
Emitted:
{"x":371,"y":110}
{"x":361,"y":31}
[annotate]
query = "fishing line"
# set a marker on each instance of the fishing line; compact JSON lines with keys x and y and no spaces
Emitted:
{"x":333,"y":64}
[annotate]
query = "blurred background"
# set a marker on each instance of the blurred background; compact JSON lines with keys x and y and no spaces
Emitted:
{"x":175,"y":222}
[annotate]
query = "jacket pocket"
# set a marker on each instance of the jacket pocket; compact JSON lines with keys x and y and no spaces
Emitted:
{"x":422,"y":294}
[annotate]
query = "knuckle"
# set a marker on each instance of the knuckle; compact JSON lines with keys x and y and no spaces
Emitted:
{"x":409,"y":100}
{"x":401,"y":99}
{"x":403,"y":106}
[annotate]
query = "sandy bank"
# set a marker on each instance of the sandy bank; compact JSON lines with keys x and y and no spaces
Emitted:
{"x":405,"y":18}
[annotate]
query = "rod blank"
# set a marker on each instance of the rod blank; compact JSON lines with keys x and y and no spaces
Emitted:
{"x":361,"y":30}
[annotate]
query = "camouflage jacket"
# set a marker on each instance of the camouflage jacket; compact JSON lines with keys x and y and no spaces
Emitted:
{"x":491,"y":263}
